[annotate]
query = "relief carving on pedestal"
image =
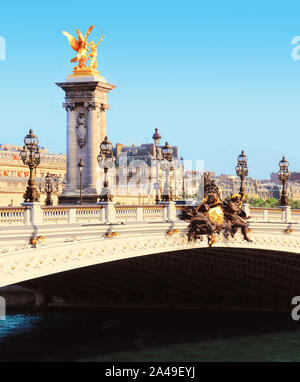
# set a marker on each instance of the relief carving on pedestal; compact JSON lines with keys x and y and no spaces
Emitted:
{"x":81,"y":129}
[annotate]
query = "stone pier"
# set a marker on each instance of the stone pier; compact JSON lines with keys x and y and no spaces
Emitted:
{"x":86,"y":106}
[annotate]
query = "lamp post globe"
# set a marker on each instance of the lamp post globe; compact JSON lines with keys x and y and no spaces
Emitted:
{"x":156,"y":137}
{"x":31,"y":141}
{"x":106,"y":147}
{"x":167,"y":152}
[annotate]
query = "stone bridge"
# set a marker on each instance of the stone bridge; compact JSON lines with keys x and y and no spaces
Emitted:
{"x":136,"y":255}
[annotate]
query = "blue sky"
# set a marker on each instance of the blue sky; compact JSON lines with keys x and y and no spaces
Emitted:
{"x":214,"y":77}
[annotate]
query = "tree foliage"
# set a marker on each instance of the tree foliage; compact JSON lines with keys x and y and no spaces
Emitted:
{"x":271,"y":202}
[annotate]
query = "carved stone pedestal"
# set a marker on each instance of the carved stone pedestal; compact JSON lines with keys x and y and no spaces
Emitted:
{"x":86,"y":105}
{"x":35,"y":215}
{"x":170,"y":210}
{"x":110,"y":212}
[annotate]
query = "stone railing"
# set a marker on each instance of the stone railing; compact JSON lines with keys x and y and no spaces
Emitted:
{"x":140,"y":213}
{"x":90,"y":214}
{"x":70,"y":214}
{"x":106,"y":213}
{"x":126,"y":213}
{"x":154,"y":212}
{"x":278,"y":214}
{"x":12,"y":215}
{"x":295,"y":216}
{"x":55,"y":215}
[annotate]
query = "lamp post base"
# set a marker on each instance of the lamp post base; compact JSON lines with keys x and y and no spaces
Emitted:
{"x":166,"y":198}
{"x":106,"y":198}
{"x":105,"y":195}
{"x":284,"y":201}
{"x":31,"y":194}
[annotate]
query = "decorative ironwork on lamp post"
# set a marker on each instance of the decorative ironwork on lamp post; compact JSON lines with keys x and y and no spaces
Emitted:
{"x":80,"y":166}
{"x":283,"y":176}
{"x":242,"y":172}
{"x":49,"y":186}
{"x":167,"y":165}
{"x":106,"y":160}
{"x":157,"y":137}
{"x":31,"y":157}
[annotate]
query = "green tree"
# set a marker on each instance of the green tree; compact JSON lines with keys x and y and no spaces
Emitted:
{"x":271,"y":202}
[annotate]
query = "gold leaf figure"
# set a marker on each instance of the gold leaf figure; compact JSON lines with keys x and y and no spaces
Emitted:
{"x":216,"y":215}
{"x":80,"y":46}
{"x":85,"y":51}
{"x":93,"y":53}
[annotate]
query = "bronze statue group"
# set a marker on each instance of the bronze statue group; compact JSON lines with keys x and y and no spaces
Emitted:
{"x":214,"y":216}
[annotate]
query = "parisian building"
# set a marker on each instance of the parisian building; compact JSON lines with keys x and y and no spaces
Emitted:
{"x":14,"y":174}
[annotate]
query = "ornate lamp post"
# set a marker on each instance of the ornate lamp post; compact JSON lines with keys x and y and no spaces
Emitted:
{"x":156,"y":137}
{"x":30,"y":156}
{"x":183,"y":188}
{"x":106,"y":160}
{"x":80,"y":168}
{"x":283,"y":176}
{"x":48,"y":187}
{"x":176,"y":166}
{"x":167,"y":165}
{"x":242,"y":171}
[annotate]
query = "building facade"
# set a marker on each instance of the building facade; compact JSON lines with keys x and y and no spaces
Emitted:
{"x":135,"y":174}
{"x":14,"y":174}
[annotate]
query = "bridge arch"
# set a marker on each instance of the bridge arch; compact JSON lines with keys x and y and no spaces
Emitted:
{"x":165,"y":270}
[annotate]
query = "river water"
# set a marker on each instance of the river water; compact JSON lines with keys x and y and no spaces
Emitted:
{"x":131,"y":335}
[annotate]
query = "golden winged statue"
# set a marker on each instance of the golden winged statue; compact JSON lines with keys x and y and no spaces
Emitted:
{"x":80,"y":46}
{"x":85,"y":51}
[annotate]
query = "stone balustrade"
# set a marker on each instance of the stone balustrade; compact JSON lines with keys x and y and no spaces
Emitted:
{"x":278,"y":214}
{"x":90,"y":214}
{"x":106,"y":213}
{"x":55,"y":215}
{"x":295,"y":216}
{"x":12,"y":215}
{"x":141,"y":213}
{"x":126,"y":213}
{"x":154,"y":212}
{"x":72,"y":215}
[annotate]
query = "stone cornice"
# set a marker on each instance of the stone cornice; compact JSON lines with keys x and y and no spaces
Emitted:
{"x":94,"y":86}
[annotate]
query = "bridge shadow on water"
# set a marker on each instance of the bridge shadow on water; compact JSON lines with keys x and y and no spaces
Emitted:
{"x":92,"y":334}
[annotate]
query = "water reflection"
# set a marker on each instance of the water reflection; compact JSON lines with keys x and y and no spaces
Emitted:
{"x":18,"y":324}
{"x":148,"y":335}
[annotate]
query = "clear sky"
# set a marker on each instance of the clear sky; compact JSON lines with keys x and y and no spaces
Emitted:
{"x":214,"y":77}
